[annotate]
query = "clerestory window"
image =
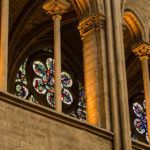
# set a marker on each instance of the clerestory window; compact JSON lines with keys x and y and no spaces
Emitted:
{"x":36,"y":83}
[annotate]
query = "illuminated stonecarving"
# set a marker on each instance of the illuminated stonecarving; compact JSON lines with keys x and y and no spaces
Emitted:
{"x":140,"y":122}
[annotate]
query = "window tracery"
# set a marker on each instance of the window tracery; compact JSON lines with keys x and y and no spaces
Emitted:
{"x":35,"y":81}
{"x":138,"y":118}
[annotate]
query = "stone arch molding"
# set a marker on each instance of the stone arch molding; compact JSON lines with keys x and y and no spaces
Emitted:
{"x":84,"y":8}
{"x":81,"y":6}
{"x":134,"y":25}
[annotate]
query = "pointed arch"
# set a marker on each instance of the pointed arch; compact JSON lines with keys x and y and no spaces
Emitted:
{"x":134,"y":25}
{"x":82,"y":7}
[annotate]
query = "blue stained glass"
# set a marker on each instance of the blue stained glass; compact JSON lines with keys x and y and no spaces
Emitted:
{"x":66,"y":79}
{"x":81,"y":111}
{"x":140,"y":122}
{"x":139,"y":126}
{"x":134,"y":137}
{"x":73,"y":114}
{"x":50,"y":65}
{"x":39,"y":68}
{"x":33,"y":100}
{"x":82,"y":98}
{"x":81,"y":114}
{"x":39,"y":86}
{"x":50,"y":98}
{"x":22,"y":91}
{"x":45,"y":85}
{"x":66,"y":96}
{"x":138,"y":110}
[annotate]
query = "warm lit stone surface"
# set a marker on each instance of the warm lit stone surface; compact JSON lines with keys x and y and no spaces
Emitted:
{"x":139,"y":145}
{"x":22,"y":129}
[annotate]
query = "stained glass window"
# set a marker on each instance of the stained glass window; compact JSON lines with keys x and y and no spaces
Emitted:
{"x":33,"y":100}
{"x":45,"y":82}
{"x":37,"y":83}
{"x":21,"y":74}
{"x":66,"y":79}
{"x":80,"y":113}
{"x":138,"y":118}
{"x":22,"y":91}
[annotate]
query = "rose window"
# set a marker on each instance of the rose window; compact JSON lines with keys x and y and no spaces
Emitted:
{"x":45,"y":83}
{"x":138,"y":118}
{"x":35,"y":82}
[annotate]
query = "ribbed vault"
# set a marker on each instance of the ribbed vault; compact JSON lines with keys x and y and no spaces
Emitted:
{"x":30,"y":25}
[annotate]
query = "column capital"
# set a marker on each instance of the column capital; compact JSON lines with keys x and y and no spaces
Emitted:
{"x":56,"y":7}
{"x":94,"y":22}
{"x":142,"y":51}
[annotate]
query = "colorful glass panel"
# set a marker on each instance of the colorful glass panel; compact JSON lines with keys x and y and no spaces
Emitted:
{"x":73,"y":114}
{"x":50,"y":98}
{"x":139,"y":126}
{"x":66,"y":97}
{"x":39,"y":86}
{"x":81,"y":114}
{"x":50,"y":83}
{"x":47,"y":82}
{"x":45,"y":85}
{"x":39,"y":68}
{"x":33,"y":100}
{"x":50,"y":65}
{"x":81,"y":98}
{"x":140,"y":123}
{"x":138,"y":110}
{"x":134,"y":137}
{"x":66,"y":79}
{"x":21,"y":74}
{"x":21,"y":91}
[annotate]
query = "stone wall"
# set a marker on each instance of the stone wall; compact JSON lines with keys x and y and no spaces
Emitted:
{"x":27,"y":126}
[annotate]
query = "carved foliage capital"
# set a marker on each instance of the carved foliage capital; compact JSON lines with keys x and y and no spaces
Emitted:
{"x":90,"y":24}
{"x":143,"y":51}
{"x":56,"y":7}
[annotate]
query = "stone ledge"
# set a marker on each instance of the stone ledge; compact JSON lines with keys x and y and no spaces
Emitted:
{"x":49,"y":113}
{"x":140,"y":145}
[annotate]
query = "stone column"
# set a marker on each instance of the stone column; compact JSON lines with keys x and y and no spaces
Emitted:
{"x":87,"y":30}
{"x":121,"y":76}
{"x":56,"y":8}
{"x":112,"y":77}
{"x":4,"y":44}
{"x":143,"y":51}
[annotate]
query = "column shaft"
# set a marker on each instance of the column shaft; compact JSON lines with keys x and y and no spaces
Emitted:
{"x":91,"y":78}
{"x":4,"y":44}
{"x":117,"y":22}
{"x":56,"y":9}
{"x":112,"y":77}
{"x":146,"y":81}
{"x":57,"y":58}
